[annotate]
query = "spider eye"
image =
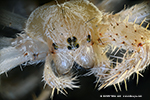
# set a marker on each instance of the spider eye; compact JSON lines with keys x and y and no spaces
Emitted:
{"x":55,"y":46}
{"x":69,"y":47}
{"x":76,"y":45}
{"x":74,"y":39}
{"x":89,"y":38}
{"x":69,"y":40}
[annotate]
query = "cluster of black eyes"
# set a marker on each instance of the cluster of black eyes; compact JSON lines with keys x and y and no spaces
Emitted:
{"x":72,"y":43}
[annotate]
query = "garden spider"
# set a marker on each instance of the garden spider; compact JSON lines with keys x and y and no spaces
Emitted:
{"x":94,"y":43}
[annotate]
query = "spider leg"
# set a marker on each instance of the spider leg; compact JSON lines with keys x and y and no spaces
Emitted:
{"x":20,"y":50}
{"x":136,"y":13}
{"x":109,"y":5}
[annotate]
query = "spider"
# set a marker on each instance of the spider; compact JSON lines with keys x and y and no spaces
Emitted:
{"x":77,"y":31}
